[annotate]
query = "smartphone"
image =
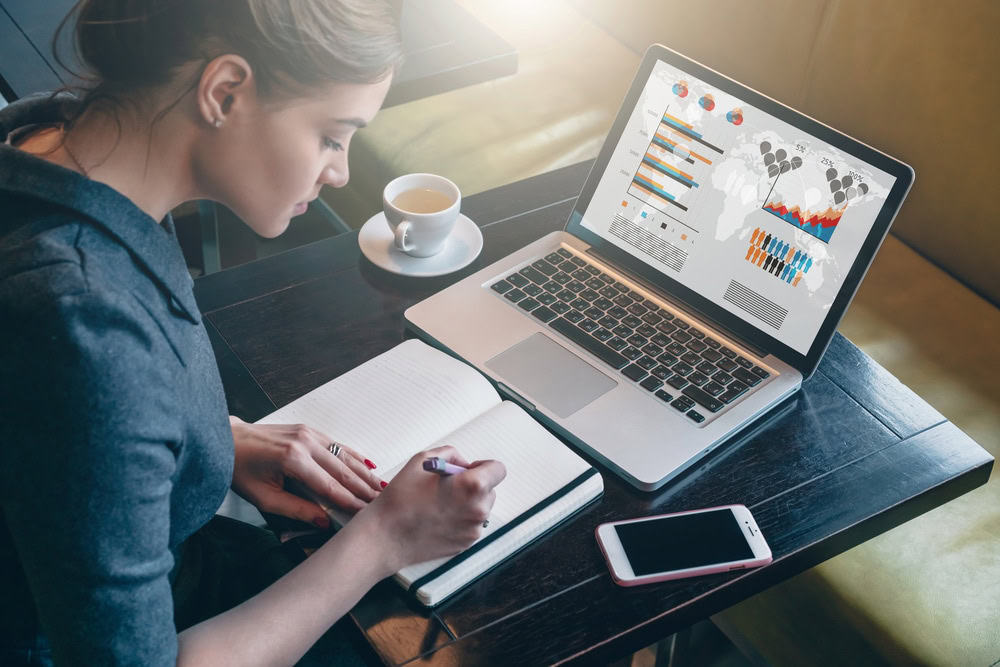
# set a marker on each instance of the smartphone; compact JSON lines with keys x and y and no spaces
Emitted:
{"x":683,"y":544}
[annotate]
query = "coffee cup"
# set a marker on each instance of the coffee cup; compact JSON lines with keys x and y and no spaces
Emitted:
{"x":421,"y":210}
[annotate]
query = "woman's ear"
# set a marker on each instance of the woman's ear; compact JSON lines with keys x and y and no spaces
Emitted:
{"x":226,"y":86}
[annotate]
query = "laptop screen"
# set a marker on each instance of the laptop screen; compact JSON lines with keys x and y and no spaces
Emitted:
{"x":760,"y":217}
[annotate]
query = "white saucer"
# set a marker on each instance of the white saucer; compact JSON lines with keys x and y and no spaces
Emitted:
{"x":461,"y":248}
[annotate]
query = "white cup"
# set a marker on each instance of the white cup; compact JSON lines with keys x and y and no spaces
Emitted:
{"x":421,"y":234}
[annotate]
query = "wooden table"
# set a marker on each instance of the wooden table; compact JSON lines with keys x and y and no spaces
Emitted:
{"x":852,"y":455}
{"x":445,"y":48}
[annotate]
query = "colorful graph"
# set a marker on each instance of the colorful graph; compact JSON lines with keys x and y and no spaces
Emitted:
{"x":777,"y":257}
{"x":819,"y":224}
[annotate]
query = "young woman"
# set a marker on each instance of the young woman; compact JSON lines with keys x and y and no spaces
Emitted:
{"x":115,"y":447}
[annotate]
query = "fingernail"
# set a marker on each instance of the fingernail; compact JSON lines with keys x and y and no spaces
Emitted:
{"x":322,"y":522}
{"x":384,"y":484}
{"x":371,"y":466}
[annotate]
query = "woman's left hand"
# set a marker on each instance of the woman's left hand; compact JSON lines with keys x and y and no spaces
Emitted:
{"x":269,"y":454}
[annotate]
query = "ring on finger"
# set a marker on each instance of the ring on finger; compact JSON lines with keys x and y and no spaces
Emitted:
{"x":335,"y":448}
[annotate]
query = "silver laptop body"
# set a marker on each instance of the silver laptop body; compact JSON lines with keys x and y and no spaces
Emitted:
{"x":752,"y":317}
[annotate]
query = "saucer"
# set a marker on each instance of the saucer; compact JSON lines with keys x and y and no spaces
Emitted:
{"x":460,"y":249}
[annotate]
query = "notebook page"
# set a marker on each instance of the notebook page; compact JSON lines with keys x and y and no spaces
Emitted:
{"x":393,"y":405}
{"x":538,"y":464}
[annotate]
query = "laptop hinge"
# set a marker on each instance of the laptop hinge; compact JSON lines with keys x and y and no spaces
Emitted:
{"x":645,"y":284}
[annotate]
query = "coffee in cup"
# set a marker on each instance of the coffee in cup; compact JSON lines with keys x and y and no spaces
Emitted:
{"x":421,"y":210}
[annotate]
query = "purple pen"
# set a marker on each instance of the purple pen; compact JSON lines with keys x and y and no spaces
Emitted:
{"x":438,"y":465}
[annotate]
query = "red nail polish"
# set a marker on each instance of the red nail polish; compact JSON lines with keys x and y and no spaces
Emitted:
{"x":322,"y":523}
{"x":371,"y":466}
{"x":384,"y":484}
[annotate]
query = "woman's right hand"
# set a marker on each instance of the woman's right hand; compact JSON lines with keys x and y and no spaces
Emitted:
{"x":422,"y":516}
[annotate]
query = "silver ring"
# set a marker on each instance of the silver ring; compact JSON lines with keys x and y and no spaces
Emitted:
{"x":335,"y":449}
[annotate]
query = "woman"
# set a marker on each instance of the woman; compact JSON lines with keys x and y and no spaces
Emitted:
{"x":115,"y":448}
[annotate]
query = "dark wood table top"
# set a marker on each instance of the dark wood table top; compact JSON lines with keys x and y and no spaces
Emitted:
{"x":852,"y":455}
{"x":445,"y":47}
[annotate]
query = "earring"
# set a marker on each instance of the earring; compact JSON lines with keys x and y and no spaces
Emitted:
{"x":218,"y":122}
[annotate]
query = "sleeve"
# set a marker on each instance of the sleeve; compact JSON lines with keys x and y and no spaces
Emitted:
{"x":86,"y":462}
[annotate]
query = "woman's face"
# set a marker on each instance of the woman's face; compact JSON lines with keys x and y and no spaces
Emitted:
{"x":267,"y":163}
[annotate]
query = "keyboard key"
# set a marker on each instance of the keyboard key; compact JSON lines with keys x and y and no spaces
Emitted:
{"x":634,"y":373}
{"x":565,"y":253}
{"x":757,"y":370}
{"x":726,"y":351}
{"x":652,"y":318}
{"x":636,"y":295}
{"x":528,"y":304}
{"x":697,"y":378}
{"x":746,"y":377}
{"x":665,"y":314}
{"x":517,"y":280}
{"x":559,"y":307}
{"x":645,"y":330}
{"x":666,"y":328}
{"x":603,"y":304}
{"x":695,"y":416}
{"x":534,"y":275}
{"x":609,"y":292}
{"x":664,"y":396}
{"x":602,"y":334}
{"x":514,"y":295}
{"x":637,"y":309}
{"x":631,"y":353}
{"x":660,"y":340}
{"x":617,"y":312}
{"x":562,"y":278}
{"x":543,"y":266}
{"x":703,"y":398}
{"x":722,"y":377}
{"x":623,"y":331}
{"x":580,"y":275}
{"x":637,"y":340}
{"x":681,"y":336}
{"x":651,"y":384}
{"x":589,"y":294}
{"x":592,"y":345}
{"x":683,"y":403}
{"x":575,"y":286}
{"x":567,"y":267}
{"x":706,"y":367}
{"x":631,"y":321}
{"x":713,"y":388}
{"x":711,"y":355}
{"x":546,"y":298}
{"x":681,"y":368}
{"x":653,"y":350}
{"x":573,"y":315}
{"x":727,"y":365}
{"x":623,"y":300}
{"x":608,"y":322}
{"x":553,"y":258}
{"x":681,"y":324}
{"x":544,"y":313}
{"x":732,"y":393}
{"x":744,"y":362}
{"x":532,"y":290}
{"x":712,"y":343}
{"x":552,"y":287}
{"x":676,"y":349}
{"x":691,"y":358}
{"x":617,"y":343}
{"x":696,"y":345}
{"x":587,"y":325}
{"x":676,"y":381}
{"x":501,"y":286}
{"x":594,"y":313}
{"x":667,"y":359}
{"x":697,"y":333}
{"x":647,"y":363}
{"x":605,"y":277}
{"x":566,"y":296}
{"x":580,"y":304}
{"x":661,"y":372}
{"x":592,"y":270}
{"x":576,"y":260}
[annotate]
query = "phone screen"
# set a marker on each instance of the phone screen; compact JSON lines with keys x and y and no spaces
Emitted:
{"x":681,"y":542}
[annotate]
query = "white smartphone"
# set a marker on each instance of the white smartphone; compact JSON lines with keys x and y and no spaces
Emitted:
{"x":683,"y":544}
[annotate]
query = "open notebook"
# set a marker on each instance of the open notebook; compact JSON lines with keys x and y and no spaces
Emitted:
{"x":414,"y":397}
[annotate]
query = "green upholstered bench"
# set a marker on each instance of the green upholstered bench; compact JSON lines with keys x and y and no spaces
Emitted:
{"x":915,"y":79}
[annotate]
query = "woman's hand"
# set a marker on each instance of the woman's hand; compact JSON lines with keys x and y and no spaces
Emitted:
{"x":269,"y":454}
{"x":423,"y":516}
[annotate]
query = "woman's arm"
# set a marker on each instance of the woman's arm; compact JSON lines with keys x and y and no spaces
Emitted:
{"x":419,"y":517}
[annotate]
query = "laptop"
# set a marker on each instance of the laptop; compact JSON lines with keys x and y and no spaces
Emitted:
{"x":701,"y":275}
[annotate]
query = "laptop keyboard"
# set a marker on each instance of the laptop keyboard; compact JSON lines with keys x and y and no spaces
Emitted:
{"x":675,"y":361}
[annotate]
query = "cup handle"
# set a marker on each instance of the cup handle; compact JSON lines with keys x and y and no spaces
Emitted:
{"x":399,"y":236}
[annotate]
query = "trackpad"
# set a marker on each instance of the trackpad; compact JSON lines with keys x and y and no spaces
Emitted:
{"x":550,"y":374}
